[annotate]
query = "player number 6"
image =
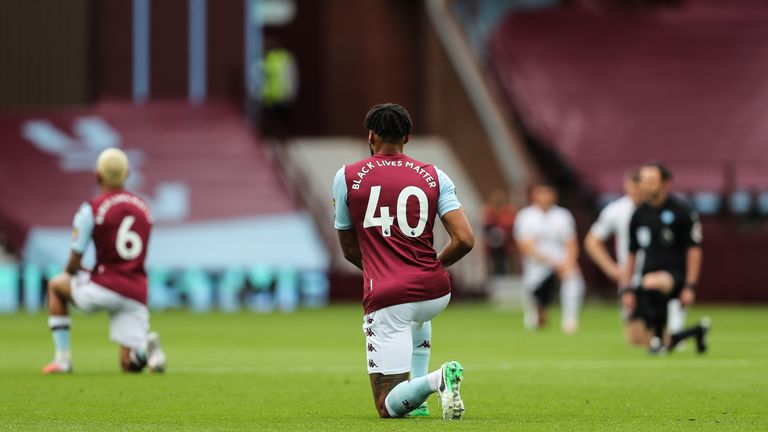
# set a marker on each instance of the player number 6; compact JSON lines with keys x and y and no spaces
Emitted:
{"x":128,"y":243}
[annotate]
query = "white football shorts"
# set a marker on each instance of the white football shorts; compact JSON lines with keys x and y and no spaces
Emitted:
{"x":388,"y":339}
{"x":128,"y":318}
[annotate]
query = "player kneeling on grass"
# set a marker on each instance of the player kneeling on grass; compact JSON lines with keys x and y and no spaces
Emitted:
{"x":613,"y":221}
{"x":385,"y":209}
{"x":119,"y":223}
{"x":665,"y":250}
{"x":546,"y":236}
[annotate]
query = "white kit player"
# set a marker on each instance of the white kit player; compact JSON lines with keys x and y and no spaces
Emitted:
{"x":546,"y":236}
{"x":613,"y":221}
{"x":118,"y":222}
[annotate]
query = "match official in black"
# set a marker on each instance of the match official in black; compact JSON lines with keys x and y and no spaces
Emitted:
{"x":664,"y":260}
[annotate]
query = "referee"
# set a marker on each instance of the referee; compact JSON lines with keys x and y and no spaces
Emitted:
{"x":665,"y":251}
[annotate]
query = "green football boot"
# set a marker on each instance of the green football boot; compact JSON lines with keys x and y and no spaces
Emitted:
{"x":450,"y":398}
{"x":421,"y":411}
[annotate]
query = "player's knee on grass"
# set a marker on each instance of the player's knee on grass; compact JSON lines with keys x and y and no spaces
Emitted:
{"x":131,"y":361}
{"x":125,"y":361}
{"x":381,"y":407}
{"x":381,"y":385}
{"x":637,"y":335}
{"x":658,"y":281}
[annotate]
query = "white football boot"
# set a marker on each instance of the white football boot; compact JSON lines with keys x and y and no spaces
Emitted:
{"x":450,"y":398}
{"x":155,"y":354}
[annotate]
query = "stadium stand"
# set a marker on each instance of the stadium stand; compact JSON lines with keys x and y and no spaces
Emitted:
{"x":602,"y":90}
{"x":47,"y":170}
{"x":703,"y":118}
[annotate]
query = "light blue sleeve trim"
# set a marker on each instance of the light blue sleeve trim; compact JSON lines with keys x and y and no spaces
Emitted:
{"x":82,"y":228}
{"x":447,"y":200}
{"x":341,"y":218}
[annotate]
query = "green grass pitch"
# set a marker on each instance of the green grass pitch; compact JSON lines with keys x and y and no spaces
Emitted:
{"x":306,"y":371}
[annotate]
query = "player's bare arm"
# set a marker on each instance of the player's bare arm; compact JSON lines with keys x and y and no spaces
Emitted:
{"x":597,"y":250}
{"x":61,"y":283}
{"x":462,"y":239}
{"x":628,"y":296}
{"x":74,"y":264}
{"x":570,"y":263}
{"x":528,"y":248}
{"x":693,"y":269}
{"x":350,"y":247}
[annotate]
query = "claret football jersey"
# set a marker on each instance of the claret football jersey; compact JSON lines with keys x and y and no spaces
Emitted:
{"x":119,"y":224}
{"x":392,"y":202}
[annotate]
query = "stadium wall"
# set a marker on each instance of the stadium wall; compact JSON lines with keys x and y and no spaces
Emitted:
{"x":45,"y":52}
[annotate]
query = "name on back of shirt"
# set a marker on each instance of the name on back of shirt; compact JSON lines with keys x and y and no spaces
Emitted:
{"x":110,"y":202}
{"x":369,"y":166}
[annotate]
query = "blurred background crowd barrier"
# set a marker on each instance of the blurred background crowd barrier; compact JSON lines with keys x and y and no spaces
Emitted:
{"x":259,"y":289}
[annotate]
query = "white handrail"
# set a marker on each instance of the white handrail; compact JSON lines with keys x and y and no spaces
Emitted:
{"x":505,"y":143}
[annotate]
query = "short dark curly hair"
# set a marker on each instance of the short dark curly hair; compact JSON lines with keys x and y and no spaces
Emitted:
{"x":391,"y":122}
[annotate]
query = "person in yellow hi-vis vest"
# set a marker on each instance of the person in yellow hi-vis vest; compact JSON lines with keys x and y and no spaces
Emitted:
{"x":279,"y":89}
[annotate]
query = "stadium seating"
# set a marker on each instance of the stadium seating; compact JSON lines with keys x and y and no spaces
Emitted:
{"x":205,"y":174}
{"x":610,"y":91}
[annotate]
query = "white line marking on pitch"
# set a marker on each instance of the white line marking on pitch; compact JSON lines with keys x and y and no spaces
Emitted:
{"x":507,"y":366}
